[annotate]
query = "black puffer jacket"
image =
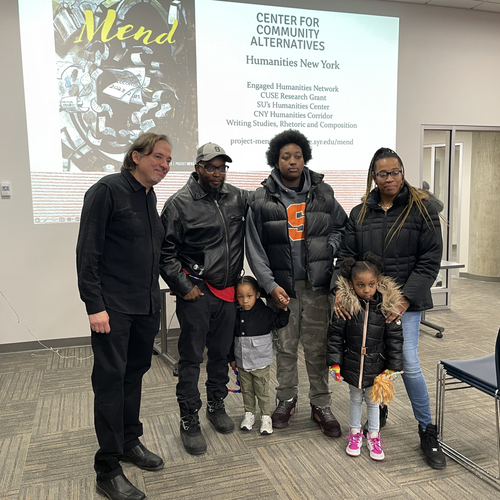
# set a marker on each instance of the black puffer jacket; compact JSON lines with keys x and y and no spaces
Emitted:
{"x":412,"y":258}
{"x":365,"y":345}
{"x":203,"y":234}
{"x":322,"y":217}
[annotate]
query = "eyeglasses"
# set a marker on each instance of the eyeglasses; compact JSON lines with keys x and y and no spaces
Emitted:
{"x":210,"y":169}
{"x":383,"y":175}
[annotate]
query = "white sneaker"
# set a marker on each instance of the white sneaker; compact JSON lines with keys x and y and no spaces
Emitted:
{"x":266,"y":425}
{"x":355,"y":438}
{"x":375,"y":446}
{"x":248,"y":421}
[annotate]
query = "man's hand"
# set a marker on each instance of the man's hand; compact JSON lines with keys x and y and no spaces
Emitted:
{"x":280,"y":297}
{"x":99,"y":322}
{"x":194,"y":294}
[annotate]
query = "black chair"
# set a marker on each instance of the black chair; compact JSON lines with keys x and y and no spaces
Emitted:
{"x":480,"y":373}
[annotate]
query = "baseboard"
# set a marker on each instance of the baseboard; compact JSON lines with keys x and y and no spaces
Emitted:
{"x":479,"y":278}
{"x":173,"y":334}
{"x":53,"y":343}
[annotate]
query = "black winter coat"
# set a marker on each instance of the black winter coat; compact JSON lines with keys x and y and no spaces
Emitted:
{"x":202,"y":233}
{"x":365,"y":345}
{"x":412,"y":258}
{"x":271,"y":222}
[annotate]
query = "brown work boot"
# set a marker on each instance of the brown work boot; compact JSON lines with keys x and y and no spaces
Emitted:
{"x":326,"y":420}
{"x":283,"y":413}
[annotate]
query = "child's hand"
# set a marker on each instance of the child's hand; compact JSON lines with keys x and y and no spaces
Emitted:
{"x":391,"y":374}
{"x":233,"y":365}
{"x":284,"y":300}
{"x":335,"y":373}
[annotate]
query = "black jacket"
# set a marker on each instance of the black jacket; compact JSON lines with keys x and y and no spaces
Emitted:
{"x":412,"y":258}
{"x":203,"y":235}
{"x":323,"y":216}
{"x":253,"y":345}
{"x":368,"y":331}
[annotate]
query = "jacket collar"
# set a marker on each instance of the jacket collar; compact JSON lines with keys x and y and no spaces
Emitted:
{"x":389,"y":289}
{"x":273,"y":185}
{"x":197,"y":191}
{"x":373,"y":199}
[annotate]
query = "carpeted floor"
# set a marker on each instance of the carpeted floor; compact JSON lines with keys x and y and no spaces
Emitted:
{"x":47,"y":439}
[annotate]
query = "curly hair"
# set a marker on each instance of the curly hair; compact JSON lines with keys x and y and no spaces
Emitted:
{"x":351,"y":268}
{"x":144,"y":145}
{"x":282,"y":139}
{"x":415,"y":196}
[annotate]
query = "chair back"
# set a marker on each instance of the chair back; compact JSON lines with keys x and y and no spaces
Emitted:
{"x":497,"y":359}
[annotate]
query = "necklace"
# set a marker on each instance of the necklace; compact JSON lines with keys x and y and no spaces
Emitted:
{"x":384,"y":208}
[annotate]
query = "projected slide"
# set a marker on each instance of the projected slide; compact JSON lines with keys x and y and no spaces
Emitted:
{"x":101,"y":72}
{"x":265,"y":69}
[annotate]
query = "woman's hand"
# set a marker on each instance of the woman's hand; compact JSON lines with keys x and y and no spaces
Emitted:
{"x":403,"y":306}
{"x":339,"y":310}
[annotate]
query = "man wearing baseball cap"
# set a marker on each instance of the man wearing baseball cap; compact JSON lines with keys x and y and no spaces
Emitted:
{"x":202,"y":257}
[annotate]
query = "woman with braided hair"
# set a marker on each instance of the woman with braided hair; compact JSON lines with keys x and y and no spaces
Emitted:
{"x":397,"y":222}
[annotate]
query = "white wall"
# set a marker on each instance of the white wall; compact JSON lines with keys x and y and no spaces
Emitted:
{"x":448,"y":74}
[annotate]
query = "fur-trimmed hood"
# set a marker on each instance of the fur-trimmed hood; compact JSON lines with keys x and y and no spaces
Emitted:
{"x":389,"y":289}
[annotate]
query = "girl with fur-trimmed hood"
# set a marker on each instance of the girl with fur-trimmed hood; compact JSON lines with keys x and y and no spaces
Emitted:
{"x":364,"y":345}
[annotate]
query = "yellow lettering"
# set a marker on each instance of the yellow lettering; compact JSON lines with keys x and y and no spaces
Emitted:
{"x":159,"y":40}
{"x":125,"y":29}
{"x":105,"y":26}
{"x":145,"y":33}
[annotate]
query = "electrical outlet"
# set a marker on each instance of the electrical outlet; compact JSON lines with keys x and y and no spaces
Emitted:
{"x":6,"y":192}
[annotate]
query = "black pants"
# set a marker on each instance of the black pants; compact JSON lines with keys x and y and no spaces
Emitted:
{"x":207,"y":322}
{"x":121,"y":358}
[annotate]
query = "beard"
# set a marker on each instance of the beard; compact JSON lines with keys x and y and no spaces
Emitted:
{"x":213,"y":192}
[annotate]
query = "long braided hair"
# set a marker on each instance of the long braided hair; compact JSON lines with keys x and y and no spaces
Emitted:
{"x":415,"y":197}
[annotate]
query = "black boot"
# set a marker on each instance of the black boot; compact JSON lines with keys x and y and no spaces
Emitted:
{"x":119,"y":488}
{"x":216,"y":413}
{"x":429,"y":444}
{"x":192,"y":438}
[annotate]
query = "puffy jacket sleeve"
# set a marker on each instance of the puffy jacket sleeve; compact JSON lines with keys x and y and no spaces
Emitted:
{"x":348,"y":248}
{"x":393,"y":346}
{"x":170,"y":265}
{"x":335,"y":341}
{"x":256,"y":255}
{"x":428,"y":254}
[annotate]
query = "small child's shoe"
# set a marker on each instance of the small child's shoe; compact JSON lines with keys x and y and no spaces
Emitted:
{"x":248,"y":421}
{"x":375,"y":446}
{"x":266,"y":425}
{"x":355,"y":438}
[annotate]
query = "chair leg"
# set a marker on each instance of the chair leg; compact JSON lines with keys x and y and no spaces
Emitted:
{"x":440,"y":393}
{"x":497,"y":412}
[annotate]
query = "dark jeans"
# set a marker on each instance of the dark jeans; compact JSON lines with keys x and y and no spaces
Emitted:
{"x":207,"y":322}
{"x":121,"y":358}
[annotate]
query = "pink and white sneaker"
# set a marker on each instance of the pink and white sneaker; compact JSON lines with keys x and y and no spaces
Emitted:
{"x":375,"y":444}
{"x":355,"y":438}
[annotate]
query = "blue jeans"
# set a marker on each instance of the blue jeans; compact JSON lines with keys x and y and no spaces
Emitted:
{"x":356,"y":397}
{"x":413,"y":377}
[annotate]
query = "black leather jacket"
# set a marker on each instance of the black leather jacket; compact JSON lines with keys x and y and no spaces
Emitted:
{"x":204,"y":236}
